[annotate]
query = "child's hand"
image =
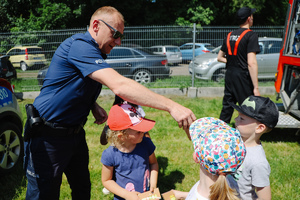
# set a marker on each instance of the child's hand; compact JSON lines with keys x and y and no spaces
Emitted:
{"x":179,"y":194}
{"x":132,"y":196}
{"x":152,"y":189}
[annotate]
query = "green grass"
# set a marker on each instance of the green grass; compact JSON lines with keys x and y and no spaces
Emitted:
{"x":174,"y":153}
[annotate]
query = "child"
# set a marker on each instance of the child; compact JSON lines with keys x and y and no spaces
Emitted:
{"x":119,"y":100}
{"x":257,"y":115}
{"x":129,"y":165}
{"x":220,"y":151}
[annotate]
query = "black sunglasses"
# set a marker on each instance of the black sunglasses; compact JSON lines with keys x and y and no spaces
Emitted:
{"x":116,"y":34}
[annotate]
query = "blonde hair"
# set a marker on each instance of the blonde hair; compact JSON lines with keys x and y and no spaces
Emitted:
{"x":112,"y":136}
{"x":220,"y":190}
{"x":106,"y":10}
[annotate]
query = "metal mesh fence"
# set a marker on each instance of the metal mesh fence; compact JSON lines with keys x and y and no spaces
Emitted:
{"x":142,"y":36}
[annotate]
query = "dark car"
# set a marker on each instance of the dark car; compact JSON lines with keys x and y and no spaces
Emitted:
{"x":11,"y":126}
{"x":7,"y":71}
{"x":139,"y":64}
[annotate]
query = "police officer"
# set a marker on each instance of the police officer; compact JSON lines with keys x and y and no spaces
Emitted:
{"x":70,"y":90}
{"x":239,"y":53}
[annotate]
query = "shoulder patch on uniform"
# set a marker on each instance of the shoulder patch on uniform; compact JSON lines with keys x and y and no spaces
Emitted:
{"x":99,"y":61}
{"x":234,"y":37}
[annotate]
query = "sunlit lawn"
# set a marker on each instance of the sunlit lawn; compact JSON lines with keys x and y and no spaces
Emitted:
{"x":174,"y":153}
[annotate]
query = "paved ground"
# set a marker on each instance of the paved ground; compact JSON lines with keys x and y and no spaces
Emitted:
{"x":181,"y":69}
{"x":27,"y":74}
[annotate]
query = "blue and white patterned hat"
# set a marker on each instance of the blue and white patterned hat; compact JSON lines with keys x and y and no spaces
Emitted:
{"x":218,"y":147}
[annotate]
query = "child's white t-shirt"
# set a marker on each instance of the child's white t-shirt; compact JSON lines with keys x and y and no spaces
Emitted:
{"x":194,"y":195}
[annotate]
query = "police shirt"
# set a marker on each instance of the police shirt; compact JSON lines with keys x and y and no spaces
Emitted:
{"x":68,"y":94}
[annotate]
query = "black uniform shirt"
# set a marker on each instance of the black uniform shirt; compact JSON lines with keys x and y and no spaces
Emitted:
{"x":248,"y":43}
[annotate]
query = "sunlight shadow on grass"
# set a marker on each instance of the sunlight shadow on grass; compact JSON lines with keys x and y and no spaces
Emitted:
{"x":167,"y":181}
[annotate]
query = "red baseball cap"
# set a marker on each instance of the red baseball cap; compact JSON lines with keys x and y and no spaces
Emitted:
{"x":124,"y":116}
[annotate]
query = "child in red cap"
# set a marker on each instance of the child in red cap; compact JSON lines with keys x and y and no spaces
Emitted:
{"x":129,"y":165}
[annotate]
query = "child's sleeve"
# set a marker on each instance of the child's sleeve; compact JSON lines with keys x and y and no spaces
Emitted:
{"x":149,"y":145}
{"x":107,"y":157}
{"x":260,"y":174}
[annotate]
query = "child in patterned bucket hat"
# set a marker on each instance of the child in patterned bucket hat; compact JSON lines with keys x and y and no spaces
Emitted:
{"x":220,"y":151}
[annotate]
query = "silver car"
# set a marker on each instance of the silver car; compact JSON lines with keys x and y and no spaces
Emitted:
{"x":207,"y":67}
{"x":173,"y":53}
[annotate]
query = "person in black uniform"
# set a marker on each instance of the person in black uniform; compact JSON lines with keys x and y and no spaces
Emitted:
{"x":239,"y":53}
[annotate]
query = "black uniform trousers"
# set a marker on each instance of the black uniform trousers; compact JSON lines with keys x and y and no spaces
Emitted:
{"x":238,"y":86}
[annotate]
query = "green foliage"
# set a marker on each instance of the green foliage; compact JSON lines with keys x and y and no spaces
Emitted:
{"x":49,"y":16}
{"x":3,"y":46}
{"x":23,"y":15}
{"x":198,"y":15}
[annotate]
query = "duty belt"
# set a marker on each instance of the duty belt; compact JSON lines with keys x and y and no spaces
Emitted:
{"x":51,"y":129}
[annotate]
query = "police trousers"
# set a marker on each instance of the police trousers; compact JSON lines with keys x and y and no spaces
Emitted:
{"x":48,"y":156}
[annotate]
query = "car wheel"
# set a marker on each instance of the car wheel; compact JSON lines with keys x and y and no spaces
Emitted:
{"x":142,"y":76}
{"x":23,"y":66}
{"x":11,"y":146}
{"x":219,"y":75}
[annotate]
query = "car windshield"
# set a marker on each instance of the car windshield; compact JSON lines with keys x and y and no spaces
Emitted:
{"x":172,"y":49}
{"x":34,"y":51}
{"x":124,"y":53}
{"x":144,"y":50}
{"x":209,"y":46}
{"x":216,"y":50}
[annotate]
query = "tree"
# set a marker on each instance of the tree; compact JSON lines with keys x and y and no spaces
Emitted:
{"x":49,"y":16}
{"x":12,"y":9}
{"x":199,"y":15}
{"x":24,"y":15}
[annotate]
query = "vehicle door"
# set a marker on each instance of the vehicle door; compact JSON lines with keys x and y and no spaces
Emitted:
{"x":173,"y":54}
{"x":267,"y":59}
{"x":12,"y":57}
{"x":121,"y":59}
{"x":37,"y":55}
{"x":7,"y":71}
{"x":187,"y":51}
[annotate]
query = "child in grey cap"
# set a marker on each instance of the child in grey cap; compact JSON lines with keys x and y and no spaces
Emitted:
{"x":257,"y":115}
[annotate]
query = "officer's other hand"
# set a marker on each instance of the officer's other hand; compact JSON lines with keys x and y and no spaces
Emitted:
{"x":99,"y":114}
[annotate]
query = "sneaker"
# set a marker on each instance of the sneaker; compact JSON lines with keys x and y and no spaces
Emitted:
{"x":105,"y":191}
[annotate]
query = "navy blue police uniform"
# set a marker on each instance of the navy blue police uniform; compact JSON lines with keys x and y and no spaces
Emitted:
{"x":58,"y":145}
{"x":238,"y":83}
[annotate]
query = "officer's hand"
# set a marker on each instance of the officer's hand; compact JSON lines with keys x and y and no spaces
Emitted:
{"x":99,"y":114}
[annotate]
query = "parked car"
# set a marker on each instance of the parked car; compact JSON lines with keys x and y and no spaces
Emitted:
{"x":11,"y":126}
{"x":137,"y":63}
{"x":200,"y":48}
{"x":7,"y":71}
{"x":173,"y":53}
{"x":27,"y":57}
{"x":207,"y":67}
